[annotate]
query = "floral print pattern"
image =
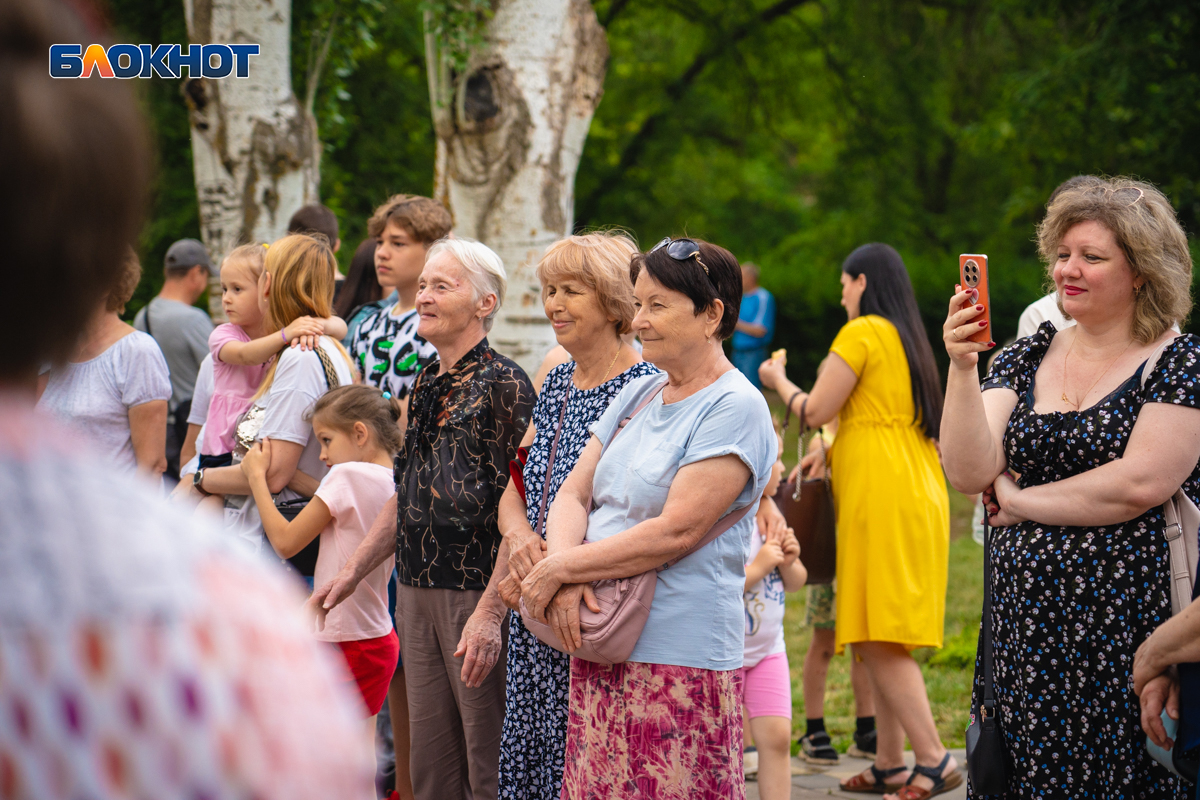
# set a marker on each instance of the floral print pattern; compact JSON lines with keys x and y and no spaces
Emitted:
{"x":538,"y":676}
{"x":463,"y":429}
{"x":1071,"y":604}
{"x":653,"y":730}
{"x":142,"y":655}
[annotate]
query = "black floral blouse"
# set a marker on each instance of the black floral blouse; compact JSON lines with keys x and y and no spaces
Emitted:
{"x":463,"y":429}
{"x":1071,"y":604}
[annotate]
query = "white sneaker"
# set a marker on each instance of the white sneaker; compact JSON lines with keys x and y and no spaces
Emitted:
{"x":750,"y":762}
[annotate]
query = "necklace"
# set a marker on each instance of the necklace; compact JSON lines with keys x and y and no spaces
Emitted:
{"x":608,"y":371}
{"x":1083,"y":397}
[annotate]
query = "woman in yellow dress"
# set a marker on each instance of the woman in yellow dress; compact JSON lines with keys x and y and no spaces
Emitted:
{"x":893,"y":517}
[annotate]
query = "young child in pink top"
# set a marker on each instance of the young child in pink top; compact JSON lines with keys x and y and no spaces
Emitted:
{"x":356,"y":426}
{"x":242,"y":350}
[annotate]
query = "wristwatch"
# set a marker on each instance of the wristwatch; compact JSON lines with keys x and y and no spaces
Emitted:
{"x":197,"y":479}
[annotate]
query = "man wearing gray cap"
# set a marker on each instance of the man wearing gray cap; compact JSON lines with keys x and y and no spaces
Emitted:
{"x":181,"y":331}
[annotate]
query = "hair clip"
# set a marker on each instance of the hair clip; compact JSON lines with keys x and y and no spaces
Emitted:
{"x":387,"y":395}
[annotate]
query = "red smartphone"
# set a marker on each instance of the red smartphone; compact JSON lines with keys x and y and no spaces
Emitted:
{"x":973,"y":274}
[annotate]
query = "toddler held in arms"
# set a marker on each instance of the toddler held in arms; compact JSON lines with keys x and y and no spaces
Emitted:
{"x":774,"y":569}
{"x":242,"y":350}
{"x":356,"y":426}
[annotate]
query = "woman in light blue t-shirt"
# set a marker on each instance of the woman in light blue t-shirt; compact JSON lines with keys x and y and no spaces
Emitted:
{"x":668,"y":721}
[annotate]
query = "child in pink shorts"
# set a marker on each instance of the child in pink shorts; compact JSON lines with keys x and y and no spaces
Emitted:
{"x":774,"y":569}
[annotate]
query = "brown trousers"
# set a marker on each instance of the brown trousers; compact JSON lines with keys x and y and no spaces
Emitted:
{"x":455,"y":731}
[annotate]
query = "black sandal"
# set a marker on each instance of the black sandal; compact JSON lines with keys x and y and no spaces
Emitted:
{"x":880,"y":786}
{"x":940,"y":784}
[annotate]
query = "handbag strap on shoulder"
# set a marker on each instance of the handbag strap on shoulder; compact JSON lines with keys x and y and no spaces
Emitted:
{"x":1152,"y":361}
{"x":989,"y":692}
{"x":802,"y":448}
{"x":331,"y":377}
{"x":621,"y":425}
{"x":640,"y":406}
{"x":723,"y":524}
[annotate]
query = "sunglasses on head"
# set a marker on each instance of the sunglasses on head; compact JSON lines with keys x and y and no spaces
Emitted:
{"x":1130,"y":193}
{"x":680,"y":250}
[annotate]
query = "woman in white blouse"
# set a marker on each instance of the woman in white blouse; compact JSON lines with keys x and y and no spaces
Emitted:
{"x":116,"y":386}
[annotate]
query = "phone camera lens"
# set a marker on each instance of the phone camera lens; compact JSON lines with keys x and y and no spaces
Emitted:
{"x":971,"y":272}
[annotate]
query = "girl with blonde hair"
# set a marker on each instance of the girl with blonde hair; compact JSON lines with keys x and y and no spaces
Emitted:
{"x":242,"y":351}
{"x":297,"y":281}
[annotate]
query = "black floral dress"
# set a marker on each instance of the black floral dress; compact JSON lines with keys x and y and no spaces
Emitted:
{"x":539,"y":677}
{"x":1072,"y":604}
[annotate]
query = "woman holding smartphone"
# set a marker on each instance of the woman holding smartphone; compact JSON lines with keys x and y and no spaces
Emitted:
{"x":893,"y":529}
{"x":1100,"y":438}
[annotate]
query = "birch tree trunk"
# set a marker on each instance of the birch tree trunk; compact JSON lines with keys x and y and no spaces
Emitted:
{"x":254,"y":147}
{"x":510,"y":132}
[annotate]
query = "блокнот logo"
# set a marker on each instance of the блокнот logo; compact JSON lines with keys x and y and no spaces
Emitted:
{"x":146,"y":61}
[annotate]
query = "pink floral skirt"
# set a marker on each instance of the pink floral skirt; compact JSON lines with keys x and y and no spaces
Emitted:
{"x":638,"y":731}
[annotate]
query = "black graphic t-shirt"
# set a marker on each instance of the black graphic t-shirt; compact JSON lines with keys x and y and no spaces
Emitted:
{"x":388,"y":352}
{"x":463,"y":429}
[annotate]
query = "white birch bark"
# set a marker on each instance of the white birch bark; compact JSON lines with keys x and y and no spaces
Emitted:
{"x":510,"y":132}
{"x":254,"y":147}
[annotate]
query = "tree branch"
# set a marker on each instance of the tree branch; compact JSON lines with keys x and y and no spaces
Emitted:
{"x":315,"y":68}
{"x":614,"y":9}
{"x":675,"y":92}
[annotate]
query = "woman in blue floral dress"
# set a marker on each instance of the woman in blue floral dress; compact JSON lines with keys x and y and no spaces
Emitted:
{"x":589,"y":300}
{"x":1080,"y":566}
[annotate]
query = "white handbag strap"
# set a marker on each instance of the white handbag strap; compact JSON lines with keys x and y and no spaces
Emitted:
{"x":1152,"y":361}
{"x":1180,"y":516}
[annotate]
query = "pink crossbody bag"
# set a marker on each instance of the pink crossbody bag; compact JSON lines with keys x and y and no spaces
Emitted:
{"x":610,"y":634}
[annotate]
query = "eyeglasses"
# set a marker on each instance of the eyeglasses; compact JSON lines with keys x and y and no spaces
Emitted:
{"x":681,"y":250}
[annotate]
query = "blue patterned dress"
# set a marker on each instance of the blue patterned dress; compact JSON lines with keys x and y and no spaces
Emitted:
{"x":539,"y":677}
{"x":1072,"y":604}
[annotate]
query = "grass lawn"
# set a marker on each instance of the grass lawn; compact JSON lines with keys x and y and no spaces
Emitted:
{"x":948,"y":672}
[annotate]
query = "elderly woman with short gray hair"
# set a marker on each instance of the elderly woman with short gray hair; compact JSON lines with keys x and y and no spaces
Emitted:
{"x":467,"y":414}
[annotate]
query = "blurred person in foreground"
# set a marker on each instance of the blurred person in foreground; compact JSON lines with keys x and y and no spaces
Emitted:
{"x":1080,"y":569}
{"x":140,"y":655}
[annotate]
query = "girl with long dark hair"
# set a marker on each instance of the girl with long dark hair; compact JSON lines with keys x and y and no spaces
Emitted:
{"x":361,"y":293}
{"x":893,"y":516}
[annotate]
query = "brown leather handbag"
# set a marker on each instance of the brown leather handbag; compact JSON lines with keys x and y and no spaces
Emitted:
{"x":808,"y":507}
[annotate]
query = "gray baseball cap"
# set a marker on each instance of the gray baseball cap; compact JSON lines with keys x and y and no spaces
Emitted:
{"x":187,"y":253}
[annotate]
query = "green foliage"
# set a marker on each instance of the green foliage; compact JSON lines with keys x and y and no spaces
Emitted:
{"x":386,"y":143}
{"x":459,"y":25}
{"x":790,"y":131}
{"x":793,"y":131}
{"x":959,"y":651}
{"x":329,"y":39}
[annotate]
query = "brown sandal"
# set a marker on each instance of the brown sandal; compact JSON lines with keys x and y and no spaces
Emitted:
{"x":858,"y":783}
{"x":940,"y":784}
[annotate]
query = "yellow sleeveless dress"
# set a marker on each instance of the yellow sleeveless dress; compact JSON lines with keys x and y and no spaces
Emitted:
{"x":893,"y":513}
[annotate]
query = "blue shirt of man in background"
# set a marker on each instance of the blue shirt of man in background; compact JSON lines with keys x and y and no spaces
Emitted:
{"x":755,"y":327}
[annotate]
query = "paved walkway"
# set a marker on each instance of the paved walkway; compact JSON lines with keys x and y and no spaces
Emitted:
{"x":814,"y":782}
